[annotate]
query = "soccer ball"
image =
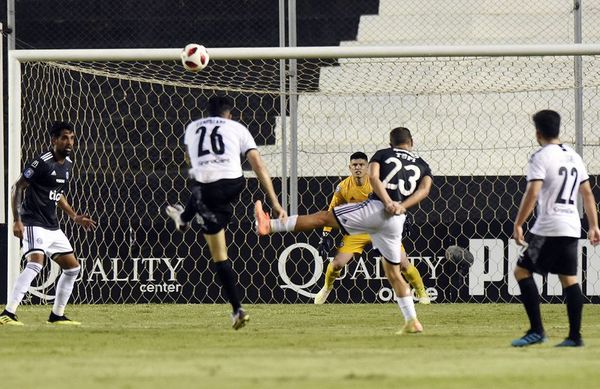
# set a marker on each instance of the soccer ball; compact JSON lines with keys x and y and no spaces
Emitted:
{"x":194,"y":57}
{"x":462,"y":258}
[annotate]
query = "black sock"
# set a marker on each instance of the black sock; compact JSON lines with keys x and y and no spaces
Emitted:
{"x":574,"y":308}
{"x":11,"y":315}
{"x":190,"y":210}
{"x":531,"y":300}
{"x":227,"y":277}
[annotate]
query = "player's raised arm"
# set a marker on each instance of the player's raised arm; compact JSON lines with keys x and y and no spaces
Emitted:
{"x":264,"y":178}
{"x":17,"y":192}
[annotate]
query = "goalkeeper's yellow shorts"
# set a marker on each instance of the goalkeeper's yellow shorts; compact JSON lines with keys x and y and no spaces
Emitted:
{"x":355,"y":244}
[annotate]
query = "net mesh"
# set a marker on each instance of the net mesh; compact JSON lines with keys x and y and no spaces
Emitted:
{"x":470,"y":119}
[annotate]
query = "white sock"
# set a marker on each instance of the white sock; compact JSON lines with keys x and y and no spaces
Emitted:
{"x":64,"y":287}
{"x":287,"y":224}
{"x":407,"y":307}
{"x":22,"y":285}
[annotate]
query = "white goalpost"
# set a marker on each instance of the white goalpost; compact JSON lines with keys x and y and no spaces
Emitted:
{"x":468,"y":107}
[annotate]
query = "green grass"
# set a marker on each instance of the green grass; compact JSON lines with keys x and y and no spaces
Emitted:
{"x":294,"y":346}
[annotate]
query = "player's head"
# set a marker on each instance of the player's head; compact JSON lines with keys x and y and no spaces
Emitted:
{"x":547,"y":125}
{"x":358,"y":164}
{"x":220,"y":106}
{"x":62,"y":138}
{"x":401,"y":137}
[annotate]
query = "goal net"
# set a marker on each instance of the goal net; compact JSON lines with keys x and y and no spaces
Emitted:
{"x":470,"y":118}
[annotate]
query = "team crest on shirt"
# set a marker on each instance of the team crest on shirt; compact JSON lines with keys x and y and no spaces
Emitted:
{"x":28,"y":173}
{"x":39,"y":241}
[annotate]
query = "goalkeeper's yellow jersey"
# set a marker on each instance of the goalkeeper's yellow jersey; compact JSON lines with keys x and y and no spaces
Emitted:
{"x":348,"y":192}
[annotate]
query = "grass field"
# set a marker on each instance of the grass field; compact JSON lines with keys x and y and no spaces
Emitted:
{"x":294,"y":346}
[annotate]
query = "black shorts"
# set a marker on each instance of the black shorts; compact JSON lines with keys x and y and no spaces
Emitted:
{"x":550,"y":254}
{"x":214,"y":202}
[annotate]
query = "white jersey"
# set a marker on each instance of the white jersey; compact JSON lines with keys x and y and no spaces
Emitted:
{"x":215,"y":146}
{"x":562,"y":171}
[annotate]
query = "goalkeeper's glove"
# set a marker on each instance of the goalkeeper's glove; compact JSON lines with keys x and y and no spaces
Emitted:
{"x":326,"y":243}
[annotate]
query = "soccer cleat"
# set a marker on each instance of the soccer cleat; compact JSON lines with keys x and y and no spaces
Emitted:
{"x":263,"y":221}
{"x":322,"y":295}
{"x":570,"y":343}
{"x":9,"y":319}
{"x":530,"y":338}
{"x":61,"y":320}
{"x":411,"y":327}
{"x":422,"y":296}
{"x":239,"y":319}
{"x":174,"y":212}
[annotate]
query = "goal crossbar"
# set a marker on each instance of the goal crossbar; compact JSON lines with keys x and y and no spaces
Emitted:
{"x":248,"y":53}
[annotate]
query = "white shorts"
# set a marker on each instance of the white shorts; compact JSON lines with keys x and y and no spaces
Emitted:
{"x":50,"y":242}
{"x":370,"y":217}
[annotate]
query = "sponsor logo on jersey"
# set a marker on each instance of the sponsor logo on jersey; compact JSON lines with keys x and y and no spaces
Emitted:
{"x":28,"y":173}
{"x":54,"y":195}
{"x":53,"y":173}
{"x":60,"y":180}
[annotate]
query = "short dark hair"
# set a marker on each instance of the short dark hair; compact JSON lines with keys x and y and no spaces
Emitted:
{"x":57,"y":127}
{"x":547,"y":122}
{"x":218,"y":105}
{"x":400,"y":136}
{"x":359,"y":155}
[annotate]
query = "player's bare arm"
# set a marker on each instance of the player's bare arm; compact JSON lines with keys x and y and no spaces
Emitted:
{"x":591,"y":212}
{"x":420,"y":194}
{"x":392,"y":207}
{"x":83,"y":220}
{"x":264,"y":178}
{"x":525,"y":209}
{"x":18,"y":190}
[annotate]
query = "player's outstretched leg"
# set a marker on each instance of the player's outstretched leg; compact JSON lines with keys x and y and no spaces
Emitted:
{"x":296,"y":223}
{"x":263,"y":221}
{"x":174,"y":212}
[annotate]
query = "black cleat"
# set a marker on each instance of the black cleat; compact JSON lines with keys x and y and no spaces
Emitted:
{"x":9,"y":319}
{"x":568,"y":342}
{"x":61,"y":320}
{"x":239,"y":319}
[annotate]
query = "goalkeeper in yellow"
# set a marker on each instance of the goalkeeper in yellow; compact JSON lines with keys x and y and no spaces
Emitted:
{"x":355,"y":189}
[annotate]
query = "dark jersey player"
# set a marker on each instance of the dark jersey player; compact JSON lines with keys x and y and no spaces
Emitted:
{"x":35,"y":196}
{"x":400,"y":180}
